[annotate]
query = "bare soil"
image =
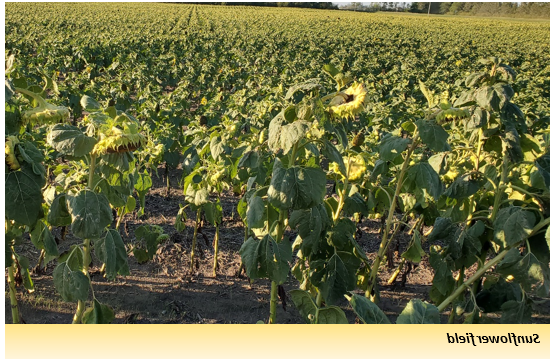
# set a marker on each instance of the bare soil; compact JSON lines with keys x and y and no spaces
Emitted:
{"x":165,"y":291}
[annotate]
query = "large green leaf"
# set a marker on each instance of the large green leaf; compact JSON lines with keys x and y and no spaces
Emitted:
{"x":196,"y":196}
{"x":414,"y":252}
{"x":266,"y":258}
{"x":340,"y":277}
{"x":496,"y":292}
{"x":465,"y":186}
{"x":89,"y":104}
{"x":70,"y":140}
{"x":98,"y":314}
{"x":331,"y":315}
{"x":527,"y":270}
{"x":218,"y":147}
{"x":515,"y":312}
{"x":310,"y":225}
{"x":423,"y":176}
{"x":367,"y":311}
{"x":341,"y":234}
{"x":213,"y":212}
{"x":42,"y":238}
{"x":91,"y":213}
{"x":296,"y":187}
{"x":25,"y":273}
{"x":69,"y":280}
{"x":285,"y":136}
{"x":58,"y":214}
{"x":256,"y":212}
{"x":330,"y":151}
{"x":392,"y":146}
{"x":305,"y":304}
{"x":111,"y":251}
{"x":23,"y":190}
{"x":443,"y":282}
{"x":419,"y":312}
{"x":513,"y":225}
{"x":433,"y":135}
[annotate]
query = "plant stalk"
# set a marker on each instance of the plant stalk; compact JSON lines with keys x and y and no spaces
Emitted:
{"x":194,"y":240}
{"x":215,"y":261}
{"x":91,"y":170}
{"x":384,"y":240}
{"x":273,"y":302}
{"x":81,"y":306}
{"x":13,"y":296}
{"x":473,"y":278}
{"x":500,"y":190}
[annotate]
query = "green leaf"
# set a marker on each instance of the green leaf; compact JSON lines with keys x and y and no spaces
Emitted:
{"x":543,"y":165}
{"x":69,"y":280}
{"x":414,"y":252}
{"x":141,"y":255}
{"x":333,"y":155}
{"x":58,"y":214}
{"x":392,"y":146}
{"x":443,"y":281}
{"x":311,"y":225}
{"x":89,"y":104}
{"x":150,"y":236}
{"x":23,"y":190}
{"x":341,"y":234}
{"x":98,"y":314}
{"x":340,"y":277}
{"x":218,"y":147}
{"x":332,"y":315}
{"x":111,"y":251}
{"x":465,"y":186}
{"x":306,"y":86}
{"x":70,"y":140}
{"x":304,"y":303}
{"x":331,"y":70}
{"x":423,"y":176}
{"x":266,"y":258}
{"x":42,"y":238}
{"x":513,"y":225}
{"x":296,"y":187}
{"x":213,"y":212}
{"x":285,"y":136}
{"x":433,"y":135}
{"x":197,"y":197}
{"x":527,"y":270}
{"x":380,"y":168}
{"x":355,"y":204}
{"x":24,"y":267}
{"x":367,"y":311}
{"x":91,"y":213}
{"x":515,"y":312}
{"x":493,"y":296}
{"x":419,"y":312}
{"x":511,"y":142}
{"x":256,"y":212}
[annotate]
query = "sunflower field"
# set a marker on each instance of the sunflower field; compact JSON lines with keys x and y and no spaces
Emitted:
{"x":180,"y":163}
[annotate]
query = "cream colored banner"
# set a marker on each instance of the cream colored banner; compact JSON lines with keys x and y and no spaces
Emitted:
{"x":278,"y":341}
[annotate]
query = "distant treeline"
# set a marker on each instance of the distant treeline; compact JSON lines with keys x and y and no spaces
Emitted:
{"x":308,"y":5}
{"x":505,"y":9}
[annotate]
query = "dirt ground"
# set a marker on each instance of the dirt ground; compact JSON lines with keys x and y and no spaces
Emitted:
{"x":164,"y":291}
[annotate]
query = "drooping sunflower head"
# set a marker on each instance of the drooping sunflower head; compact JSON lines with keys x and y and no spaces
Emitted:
{"x":45,"y":113}
{"x":354,"y":165}
{"x":348,"y":103}
{"x":452,"y":114}
{"x":117,"y":140}
{"x":11,"y":159}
